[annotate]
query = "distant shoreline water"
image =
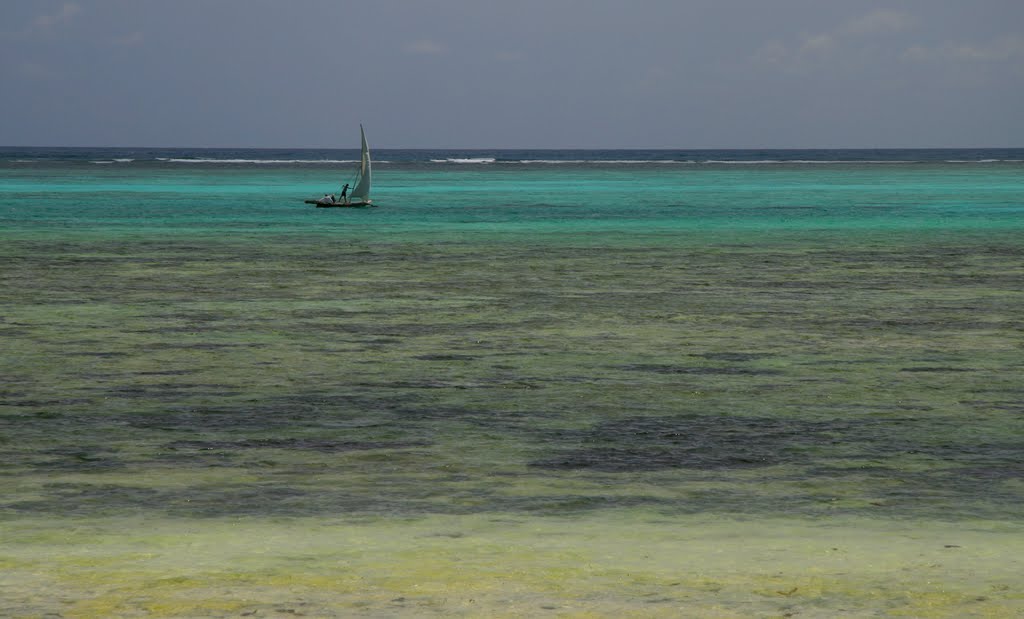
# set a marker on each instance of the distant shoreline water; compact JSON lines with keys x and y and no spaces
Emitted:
{"x":15,"y":156}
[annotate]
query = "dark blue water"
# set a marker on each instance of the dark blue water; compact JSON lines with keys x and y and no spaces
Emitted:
{"x":301,"y":156}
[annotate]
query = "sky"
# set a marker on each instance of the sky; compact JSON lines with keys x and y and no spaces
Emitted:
{"x":513,"y":73}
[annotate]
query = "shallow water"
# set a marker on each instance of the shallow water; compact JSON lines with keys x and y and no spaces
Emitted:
{"x":786,"y":390}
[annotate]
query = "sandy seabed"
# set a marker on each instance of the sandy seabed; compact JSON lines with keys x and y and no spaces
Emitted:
{"x":611,"y":564}
{"x":286,"y":427}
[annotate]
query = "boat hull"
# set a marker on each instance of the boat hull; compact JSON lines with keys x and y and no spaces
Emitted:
{"x":339,"y":204}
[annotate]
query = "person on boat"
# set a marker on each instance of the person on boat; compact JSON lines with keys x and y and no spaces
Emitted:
{"x":344,"y":193}
{"x":326,"y":199}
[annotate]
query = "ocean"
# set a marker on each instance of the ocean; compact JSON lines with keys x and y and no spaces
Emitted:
{"x":526,"y":383}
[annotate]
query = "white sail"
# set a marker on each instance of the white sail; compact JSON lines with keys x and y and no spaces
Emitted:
{"x":361,"y":192}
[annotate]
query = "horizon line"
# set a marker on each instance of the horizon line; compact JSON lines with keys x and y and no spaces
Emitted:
{"x":529,"y":148}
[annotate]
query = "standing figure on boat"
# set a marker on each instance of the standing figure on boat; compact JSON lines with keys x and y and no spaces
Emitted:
{"x":359,"y":185}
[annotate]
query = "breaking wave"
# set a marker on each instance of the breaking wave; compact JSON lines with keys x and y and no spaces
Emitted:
{"x":465,"y":160}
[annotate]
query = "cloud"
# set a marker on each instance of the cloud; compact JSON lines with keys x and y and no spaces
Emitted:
{"x":818,"y":44}
{"x":813,"y":50}
{"x":878,"y":22}
{"x":425,"y":47}
{"x":43,"y":25}
{"x":37,"y":71}
{"x":67,"y":12}
{"x":510,"y":56}
{"x":798,"y":57}
{"x":772,"y":53}
{"x":998,"y":50}
{"x":129,"y":40}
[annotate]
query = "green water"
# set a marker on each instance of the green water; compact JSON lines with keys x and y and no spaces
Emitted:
{"x":581,"y":391}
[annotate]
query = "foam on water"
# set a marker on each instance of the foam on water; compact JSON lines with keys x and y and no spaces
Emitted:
{"x":317,"y":157}
{"x":478,"y":160}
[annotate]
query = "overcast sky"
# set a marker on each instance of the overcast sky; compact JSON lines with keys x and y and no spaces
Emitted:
{"x":513,"y":73}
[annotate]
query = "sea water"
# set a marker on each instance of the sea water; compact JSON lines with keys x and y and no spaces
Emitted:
{"x":526,"y":383}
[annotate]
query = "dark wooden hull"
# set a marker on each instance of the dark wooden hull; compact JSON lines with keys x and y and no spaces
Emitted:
{"x":339,"y":204}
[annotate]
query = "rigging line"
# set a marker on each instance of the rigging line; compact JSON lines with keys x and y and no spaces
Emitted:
{"x":351,"y":182}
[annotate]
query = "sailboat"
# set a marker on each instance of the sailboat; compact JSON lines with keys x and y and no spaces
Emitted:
{"x":360,"y":194}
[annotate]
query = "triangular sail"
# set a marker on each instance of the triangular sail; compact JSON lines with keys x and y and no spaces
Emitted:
{"x":361,"y":192}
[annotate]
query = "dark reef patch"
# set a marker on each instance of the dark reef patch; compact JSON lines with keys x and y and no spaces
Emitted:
{"x":444,"y":357}
{"x":735,"y":357}
{"x":78,"y":459}
{"x":706,"y":442}
{"x":312,"y":444}
{"x":696,"y":442}
{"x":937,"y":369}
{"x":659,"y":368}
{"x":288,"y":413}
{"x":98,"y":354}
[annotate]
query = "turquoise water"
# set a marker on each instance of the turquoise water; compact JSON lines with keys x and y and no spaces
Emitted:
{"x":509,"y":198}
{"x":557,"y":383}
